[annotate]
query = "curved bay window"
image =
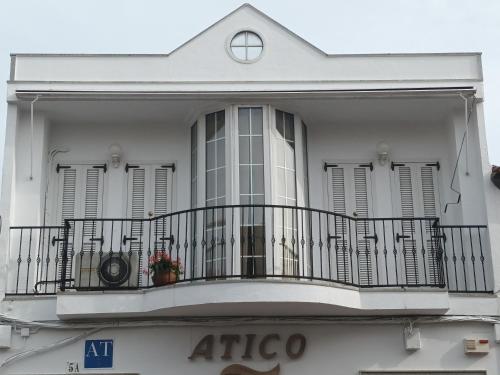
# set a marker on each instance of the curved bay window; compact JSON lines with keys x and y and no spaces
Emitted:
{"x":255,"y":157}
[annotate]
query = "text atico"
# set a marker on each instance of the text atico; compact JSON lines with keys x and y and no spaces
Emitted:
{"x":267,"y":346}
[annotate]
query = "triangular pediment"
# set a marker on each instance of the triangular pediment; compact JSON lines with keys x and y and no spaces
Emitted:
{"x":208,"y":55}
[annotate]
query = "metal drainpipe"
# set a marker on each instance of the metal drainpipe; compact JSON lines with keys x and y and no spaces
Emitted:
{"x":51,"y":156}
{"x":32,"y":135}
{"x":466,"y":134}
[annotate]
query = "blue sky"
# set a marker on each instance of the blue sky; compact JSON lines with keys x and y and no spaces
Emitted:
{"x":335,"y":26}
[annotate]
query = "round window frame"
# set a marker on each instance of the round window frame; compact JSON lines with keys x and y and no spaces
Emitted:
{"x":233,"y":56}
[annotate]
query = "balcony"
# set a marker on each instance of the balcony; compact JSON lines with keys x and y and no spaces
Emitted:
{"x":251,"y":243}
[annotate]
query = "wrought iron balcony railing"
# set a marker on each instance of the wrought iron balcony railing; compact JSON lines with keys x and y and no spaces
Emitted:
{"x":251,"y":242}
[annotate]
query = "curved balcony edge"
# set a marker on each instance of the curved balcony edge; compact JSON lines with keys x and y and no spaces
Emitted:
{"x":250,"y":298}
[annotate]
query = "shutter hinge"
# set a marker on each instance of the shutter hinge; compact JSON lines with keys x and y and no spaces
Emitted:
{"x":396,"y":165}
{"x":59,"y":167}
{"x":328,"y":165}
{"x":104,"y":167}
{"x":436,"y":164}
{"x":129,"y":166}
{"x":369,"y":165}
{"x":171,"y":166}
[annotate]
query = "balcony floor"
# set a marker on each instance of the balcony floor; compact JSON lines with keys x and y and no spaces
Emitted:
{"x":251,"y":298}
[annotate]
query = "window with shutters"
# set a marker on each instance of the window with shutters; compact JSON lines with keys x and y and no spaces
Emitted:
{"x":149,"y":194}
{"x":80,"y":195}
{"x":416,"y":194}
{"x":349,"y":190}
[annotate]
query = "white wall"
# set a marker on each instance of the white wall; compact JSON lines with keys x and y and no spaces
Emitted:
{"x":336,"y":349}
{"x":412,"y":140}
{"x":161,"y":143}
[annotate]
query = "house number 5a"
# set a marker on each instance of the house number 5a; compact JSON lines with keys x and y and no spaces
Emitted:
{"x":294,"y":346}
{"x":72,"y":367}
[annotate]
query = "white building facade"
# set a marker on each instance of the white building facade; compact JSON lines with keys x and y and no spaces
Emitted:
{"x":332,"y":214}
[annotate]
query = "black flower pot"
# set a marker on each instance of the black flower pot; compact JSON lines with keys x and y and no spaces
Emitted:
{"x":495,"y":178}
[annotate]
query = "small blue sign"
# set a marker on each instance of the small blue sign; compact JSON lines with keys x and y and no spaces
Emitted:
{"x":98,"y":354}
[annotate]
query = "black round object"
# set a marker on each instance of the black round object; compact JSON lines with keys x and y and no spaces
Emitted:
{"x":495,"y":178}
{"x":114,"y":269}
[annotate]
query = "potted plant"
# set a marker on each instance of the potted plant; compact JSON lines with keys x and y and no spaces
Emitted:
{"x":495,"y":175}
{"x":164,"y":270}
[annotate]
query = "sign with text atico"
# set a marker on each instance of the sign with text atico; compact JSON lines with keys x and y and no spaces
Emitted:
{"x":267,"y":347}
{"x":98,"y":354}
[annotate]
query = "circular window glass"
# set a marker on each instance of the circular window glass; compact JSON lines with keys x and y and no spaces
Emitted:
{"x":246,"y":46}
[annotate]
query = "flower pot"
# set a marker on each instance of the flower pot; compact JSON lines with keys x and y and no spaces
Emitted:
{"x":164,"y":278}
{"x":495,"y":176}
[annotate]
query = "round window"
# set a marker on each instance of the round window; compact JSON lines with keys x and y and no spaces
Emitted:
{"x":246,"y":46}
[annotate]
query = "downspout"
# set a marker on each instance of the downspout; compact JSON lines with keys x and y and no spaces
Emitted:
{"x":465,"y":139}
{"x":51,"y":157}
{"x":466,"y":109}
{"x":32,"y":105}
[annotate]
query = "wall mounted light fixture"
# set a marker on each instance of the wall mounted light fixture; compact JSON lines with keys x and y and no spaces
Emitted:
{"x":116,"y":155}
{"x":382,"y":152}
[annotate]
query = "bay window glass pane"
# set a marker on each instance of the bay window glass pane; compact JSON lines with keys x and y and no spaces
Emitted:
{"x":280,"y":182}
{"x":251,"y":181}
{"x":257,"y":179}
{"x":221,"y":128}
{"x":244,"y":121}
{"x":257,"y":122}
{"x":221,"y":183}
{"x":244,"y":150}
{"x":285,"y":179}
{"x":211,"y":180}
{"x":305,"y":164}
{"x":221,"y":153}
{"x":210,"y":157}
{"x":215,"y":260}
{"x":289,"y":128}
{"x":280,"y":127}
{"x":258,"y":150}
{"x":290,"y":184}
{"x":194,"y":164}
{"x":245,"y":187}
{"x":210,"y":126}
{"x":289,"y":156}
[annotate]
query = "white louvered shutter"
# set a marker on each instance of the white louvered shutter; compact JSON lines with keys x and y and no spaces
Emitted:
{"x":431,"y":208}
{"x":80,"y":195}
{"x":149,"y":191}
{"x":93,"y":181}
{"x":66,"y":201}
{"x":136,"y":203}
{"x":80,"y":192}
{"x":417,"y":196}
{"x":149,"y":194}
{"x":337,"y":199}
{"x":364,"y":229}
{"x":161,"y":204}
{"x":68,"y":196}
{"x":349,"y":194}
